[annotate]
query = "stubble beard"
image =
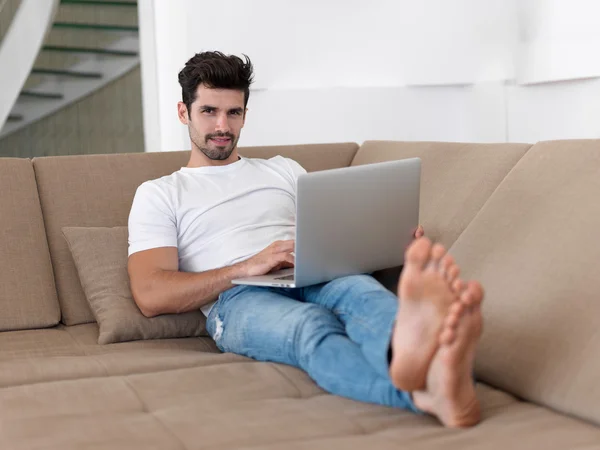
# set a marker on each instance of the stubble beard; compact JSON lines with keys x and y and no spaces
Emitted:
{"x":216,"y":153}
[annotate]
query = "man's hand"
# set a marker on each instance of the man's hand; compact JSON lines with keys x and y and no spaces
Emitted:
{"x":419,"y":232}
{"x":276,"y":256}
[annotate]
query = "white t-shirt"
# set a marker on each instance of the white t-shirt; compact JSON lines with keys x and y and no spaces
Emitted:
{"x":219,"y":215}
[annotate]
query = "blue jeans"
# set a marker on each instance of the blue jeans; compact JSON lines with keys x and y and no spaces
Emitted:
{"x":338,"y":333}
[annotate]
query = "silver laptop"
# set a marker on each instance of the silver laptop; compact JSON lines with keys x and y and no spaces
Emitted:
{"x":351,"y":221}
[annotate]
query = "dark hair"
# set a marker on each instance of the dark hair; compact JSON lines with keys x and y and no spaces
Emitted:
{"x":215,"y":70}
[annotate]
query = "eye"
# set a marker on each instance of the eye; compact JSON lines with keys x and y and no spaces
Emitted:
{"x":235,"y":112}
{"x":208,"y":110}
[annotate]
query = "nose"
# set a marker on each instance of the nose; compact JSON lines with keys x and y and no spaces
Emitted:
{"x":222,"y":123}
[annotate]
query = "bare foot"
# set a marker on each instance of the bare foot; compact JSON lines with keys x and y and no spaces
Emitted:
{"x":469,"y":294}
{"x":450,"y":393}
{"x":426,"y":296}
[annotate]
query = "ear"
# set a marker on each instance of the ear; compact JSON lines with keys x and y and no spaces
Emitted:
{"x":182,"y":113}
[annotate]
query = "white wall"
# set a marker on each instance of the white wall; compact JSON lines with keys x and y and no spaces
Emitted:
{"x":352,"y":70}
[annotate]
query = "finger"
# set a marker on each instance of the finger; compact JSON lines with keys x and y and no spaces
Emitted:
{"x":282,"y":265}
{"x":285,"y":246}
{"x":282,"y":260}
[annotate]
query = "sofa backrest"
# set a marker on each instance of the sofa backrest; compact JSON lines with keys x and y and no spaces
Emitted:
{"x":27,"y":294}
{"x":97,"y":190}
{"x":456,"y":179}
{"x":535,"y":247}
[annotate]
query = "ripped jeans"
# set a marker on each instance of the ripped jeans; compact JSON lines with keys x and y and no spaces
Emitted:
{"x":337,"y":332}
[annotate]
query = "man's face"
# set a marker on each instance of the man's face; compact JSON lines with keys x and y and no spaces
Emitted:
{"x":215,"y":120}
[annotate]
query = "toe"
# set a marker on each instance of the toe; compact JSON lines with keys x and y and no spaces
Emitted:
{"x":446,"y":263}
{"x":454,"y":314}
{"x":476,"y":291}
{"x":466,"y":298}
{"x":472,"y":294}
{"x":447,"y":336}
{"x":418,"y":253}
{"x":457,"y":286}
{"x":452,"y":274}
{"x":452,"y":321}
{"x":437,"y":253}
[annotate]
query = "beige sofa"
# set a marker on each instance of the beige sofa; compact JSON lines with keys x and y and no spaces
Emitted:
{"x":523,"y":219}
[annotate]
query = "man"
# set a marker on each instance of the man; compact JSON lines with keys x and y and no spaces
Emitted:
{"x":224,"y":217}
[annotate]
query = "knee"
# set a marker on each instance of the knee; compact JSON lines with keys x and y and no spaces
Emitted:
{"x":351,"y":285}
{"x":353,"y":281}
{"x":317,"y":324}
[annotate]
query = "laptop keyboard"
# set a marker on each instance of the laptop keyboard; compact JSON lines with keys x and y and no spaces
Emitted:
{"x":287,"y":277}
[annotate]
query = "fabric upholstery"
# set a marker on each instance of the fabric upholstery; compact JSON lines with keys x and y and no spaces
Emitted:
{"x":86,"y":337}
{"x":97,"y":191}
{"x":456,"y":179}
{"x":312,"y":157}
{"x":535,"y":248}
{"x":31,"y":344}
{"x":245,"y":404}
{"x":27,"y":293}
{"x":531,"y":244}
{"x":65,"y":353}
{"x":100,"y":256}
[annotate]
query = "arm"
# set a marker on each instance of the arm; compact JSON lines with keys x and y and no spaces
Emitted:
{"x":159,"y":288}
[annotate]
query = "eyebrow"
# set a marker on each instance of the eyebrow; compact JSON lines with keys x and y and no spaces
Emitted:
{"x":238,"y":109}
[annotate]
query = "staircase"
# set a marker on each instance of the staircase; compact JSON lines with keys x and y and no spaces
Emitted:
{"x":90,"y":43}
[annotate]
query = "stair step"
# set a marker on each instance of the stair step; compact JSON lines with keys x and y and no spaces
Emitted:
{"x":94,"y":26}
{"x":97,"y":51}
{"x":66,"y":73}
{"x":46,"y":95}
{"x":15,"y":117}
{"x":97,"y":3}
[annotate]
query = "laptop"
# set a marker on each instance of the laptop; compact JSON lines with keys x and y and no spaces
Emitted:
{"x":349,"y":221}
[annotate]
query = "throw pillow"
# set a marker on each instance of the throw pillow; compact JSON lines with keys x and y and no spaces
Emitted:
{"x":100,"y":256}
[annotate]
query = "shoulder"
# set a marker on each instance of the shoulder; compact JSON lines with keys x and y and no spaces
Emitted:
{"x":163,"y":184}
{"x":159,"y":190}
{"x":280,"y":164}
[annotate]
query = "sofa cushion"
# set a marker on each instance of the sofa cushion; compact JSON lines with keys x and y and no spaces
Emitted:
{"x":64,"y":353}
{"x":78,"y":340}
{"x":100,"y":256}
{"x":31,"y":344}
{"x":246,"y":404}
{"x":97,"y":191}
{"x":456,"y":179}
{"x":27,"y":292}
{"x":312,"y":157}
{"x":535,"y":248}
{"x":86,"y":337}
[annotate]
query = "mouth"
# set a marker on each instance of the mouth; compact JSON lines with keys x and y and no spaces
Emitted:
{"x":221,"y":141}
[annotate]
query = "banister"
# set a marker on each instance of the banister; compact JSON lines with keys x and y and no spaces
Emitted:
{"x":20,"y":47}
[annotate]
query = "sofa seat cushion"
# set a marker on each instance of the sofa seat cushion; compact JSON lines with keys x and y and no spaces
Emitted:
{"x":245,"y":404}
{"x":83,"y":340}
{"x":63,"y":353}
{"x":37,"y":343}
{"x":86,"y":337}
